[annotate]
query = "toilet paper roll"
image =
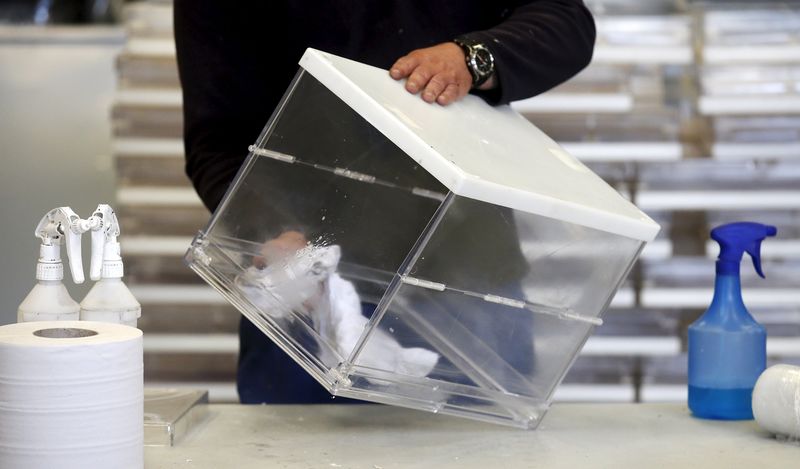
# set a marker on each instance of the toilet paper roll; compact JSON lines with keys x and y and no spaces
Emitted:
{"x":776,"y":401}
{"x":71,"y":396}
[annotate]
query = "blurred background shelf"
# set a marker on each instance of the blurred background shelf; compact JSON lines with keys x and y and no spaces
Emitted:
{"x":575,"y":102}
{"x":690,"y":109}
{"x":148,"y":147}
{"x":749,"y":105}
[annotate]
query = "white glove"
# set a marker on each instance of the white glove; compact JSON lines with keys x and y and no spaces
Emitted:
{"x":307,"y":283}
{"x":287,"y":284}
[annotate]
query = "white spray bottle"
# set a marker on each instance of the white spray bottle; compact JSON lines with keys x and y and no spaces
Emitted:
{"x":49,"y":300}
{"x":109,"y":300}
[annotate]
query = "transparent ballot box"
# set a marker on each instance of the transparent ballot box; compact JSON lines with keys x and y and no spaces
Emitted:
{"x":450,"y":259}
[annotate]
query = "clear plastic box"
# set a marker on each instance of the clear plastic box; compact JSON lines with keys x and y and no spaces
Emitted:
{"x":450,"y":259}
{"x":170,"y":414}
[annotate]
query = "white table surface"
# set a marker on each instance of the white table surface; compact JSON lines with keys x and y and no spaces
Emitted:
{"x":376,"y":437}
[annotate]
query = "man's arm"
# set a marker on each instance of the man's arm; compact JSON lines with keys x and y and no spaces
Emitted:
{"x":227,"y":95}
{"x":539,"y":45}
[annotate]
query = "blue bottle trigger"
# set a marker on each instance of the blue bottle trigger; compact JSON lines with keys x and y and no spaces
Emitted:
{"x":737,"y":238}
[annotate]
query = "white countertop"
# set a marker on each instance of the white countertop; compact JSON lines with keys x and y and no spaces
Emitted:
{"x":377,"y":437}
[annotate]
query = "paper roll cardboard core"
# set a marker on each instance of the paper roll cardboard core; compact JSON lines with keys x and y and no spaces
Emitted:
{"x":64,"y":333}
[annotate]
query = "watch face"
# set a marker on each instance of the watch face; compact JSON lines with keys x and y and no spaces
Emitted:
{"x":483,"y":60}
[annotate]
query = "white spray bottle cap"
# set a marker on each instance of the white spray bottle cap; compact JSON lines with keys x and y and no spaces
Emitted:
{"x":56,"y":226}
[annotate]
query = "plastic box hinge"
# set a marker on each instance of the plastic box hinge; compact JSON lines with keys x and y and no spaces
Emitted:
{"x":348,"y":173}
{"x":361,"y":177}
{"x":340,"y":377}
{"x":417,"y":282}
{"x":504,"y":301}
{"x":197,"y":250}
{"x":561,"y":313}
{"x":428,"y":193}
{"x":271,"y":154}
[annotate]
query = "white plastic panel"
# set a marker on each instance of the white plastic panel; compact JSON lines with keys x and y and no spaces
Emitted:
{"x":482,"y":152}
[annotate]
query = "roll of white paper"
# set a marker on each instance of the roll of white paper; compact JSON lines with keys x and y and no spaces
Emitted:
{"x":71,"y":396}
{"x":776,"y":400}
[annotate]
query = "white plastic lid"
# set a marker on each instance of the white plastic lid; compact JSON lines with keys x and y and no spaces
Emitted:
{"x":482,"y":152}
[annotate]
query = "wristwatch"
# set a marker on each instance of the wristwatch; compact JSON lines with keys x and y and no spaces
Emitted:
{"x":480,"y":61}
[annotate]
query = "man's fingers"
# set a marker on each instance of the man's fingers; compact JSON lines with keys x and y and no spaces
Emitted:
{"x":431,"y":71}
{"x":281,"y":247}
{"x":418,"y":80}
{"x":435,"y":87}
{"x":403,"y":67}
{"x":449,"y":95}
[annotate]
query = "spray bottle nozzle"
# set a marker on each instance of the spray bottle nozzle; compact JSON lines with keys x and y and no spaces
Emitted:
{"x":737,"y":238}
{"x":59,"y":226}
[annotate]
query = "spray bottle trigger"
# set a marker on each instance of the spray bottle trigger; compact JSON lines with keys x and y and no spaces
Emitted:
{"x":755,"y":249}
{"x":73,"y":242}
{"x":755,"y":254}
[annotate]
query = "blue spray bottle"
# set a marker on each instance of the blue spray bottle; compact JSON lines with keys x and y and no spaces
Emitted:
{"x":727,"y":347}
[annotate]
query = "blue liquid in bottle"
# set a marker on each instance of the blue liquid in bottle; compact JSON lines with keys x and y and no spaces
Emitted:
{"x":721,"y":404}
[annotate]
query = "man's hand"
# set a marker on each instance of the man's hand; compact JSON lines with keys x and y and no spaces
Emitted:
{"x":282,"y":247}
{"x":439,"y":72}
